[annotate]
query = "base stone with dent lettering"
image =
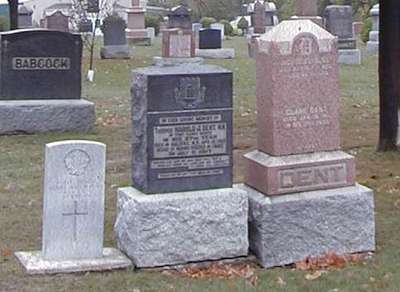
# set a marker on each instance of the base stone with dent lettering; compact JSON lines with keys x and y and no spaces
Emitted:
{"x":73,"y":212}
{"x":182,"y":206}
{"x":298,"y":179}
{"x":40,"y":85}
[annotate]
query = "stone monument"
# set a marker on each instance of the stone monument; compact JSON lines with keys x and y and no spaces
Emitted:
{"x":182,"y":207}
{"x":179,"y":17}
{"x":136,"y":32}
{"x":210,"y":45}
{"x":303,"y":198}
{"x":177,"y":43}
{"x":220,"y":27}
{"x":339,"y":22}
{"x":115,"y":45}
{"x":24,"y":17}
{"x":40,"y":84}
{"x":308,"y":9}
{"x":57,"y":20}
{"x":73,"y":212}
{"x":373,"y":43}
{"x":196,"y":27}
{"x":258,"y":17}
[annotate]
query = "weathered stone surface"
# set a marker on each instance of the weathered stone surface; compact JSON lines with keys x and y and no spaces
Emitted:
{"x":179,"y":17}
{"x":258,"y":18}
{"x":306,"y":7}
{"x":177,"y":228}
{"x":182,"y":128}
{"x":33,"y":69}
{"x":167,"y":62}
{"x":73,"y":200}
{"x":57,"y":20}
{"x":115,"y":52}
{"x":178,"y":44}
{"x":297,"y":89}
{"x":34,"y":263}
{"x":274,"y":175}
{"x":349,"y":57}
{"x":224,"y":53}
{"x":38,"y":116}
{"x":339,"y":20}
{"x":373,"y":43}
{"x":287,"y":229}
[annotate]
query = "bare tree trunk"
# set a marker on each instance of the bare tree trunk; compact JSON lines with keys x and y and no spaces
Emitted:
{"x":389,"y":73}
{"x":13,"y":6}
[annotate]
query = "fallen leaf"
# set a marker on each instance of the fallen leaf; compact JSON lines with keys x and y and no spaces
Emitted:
{"x":313,"y":276}
{"x":6,"y":252}
{"x":280,"y":281}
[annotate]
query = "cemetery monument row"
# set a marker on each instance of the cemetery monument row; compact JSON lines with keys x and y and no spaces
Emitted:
{"x":73,"y":212}
{"x":303,"y":197}
{"x":181,"y":170}
{"x":40,"y":84}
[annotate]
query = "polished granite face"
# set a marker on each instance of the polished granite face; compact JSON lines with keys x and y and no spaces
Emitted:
{"x":182,"y":128}
{"x":40,"y":64}
{"x":210,"y":39}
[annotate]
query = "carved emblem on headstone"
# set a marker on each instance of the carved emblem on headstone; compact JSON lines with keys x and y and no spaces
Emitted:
{"x":190,"y":93}
{"x":77,"y":162}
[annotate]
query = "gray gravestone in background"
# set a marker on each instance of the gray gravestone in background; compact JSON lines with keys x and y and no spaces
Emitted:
{"x":373,"y":42}
{"x":73,"y":209}
{"x":57,"y":20}
{"x":339,"y":22}
{"x":24,"y":17}
{"x":179,"y":17}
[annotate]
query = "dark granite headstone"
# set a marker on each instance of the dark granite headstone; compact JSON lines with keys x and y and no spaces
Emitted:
{"x":210,"y":39}
{"x":182,"y":128}
{"x":57,"y":21}
{"x":114,"y":33}
{"x":40,"y":64}
{"x":179,"y":17}
{"x":339,"y":22}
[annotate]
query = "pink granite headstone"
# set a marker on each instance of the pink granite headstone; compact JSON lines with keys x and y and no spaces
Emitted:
{"x":298,"y":131}
{"x":178,"y":43}
{"x":297,"y":90}
{"x":259,"y":17}
{"x":306,"y":7}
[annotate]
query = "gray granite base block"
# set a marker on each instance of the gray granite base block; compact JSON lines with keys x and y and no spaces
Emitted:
{"x":115,"y":52}
{"x":178,"y":228}
{"x":349,"y":57}
{"x":34,"y":264}
{"x":215,"y":53}
{"x":38,"y":116}
{"x":373,"y":47}
{"x":166,"y":62}
{"x":286,"y":229}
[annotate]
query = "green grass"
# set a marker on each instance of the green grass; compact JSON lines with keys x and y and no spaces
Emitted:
{"x":21,"y":160}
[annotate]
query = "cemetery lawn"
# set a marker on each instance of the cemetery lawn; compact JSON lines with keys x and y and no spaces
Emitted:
{"x":21,"y":160}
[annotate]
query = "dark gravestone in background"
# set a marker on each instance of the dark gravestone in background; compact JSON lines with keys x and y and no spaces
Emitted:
{"x":339,"y":22}
{"x":210,"y":39}
{"x":57,"y":21}
{"x":114,"y":34}
{"x":179,"y":17}
{"x":182,"y":128}
{"x":40,"y":64}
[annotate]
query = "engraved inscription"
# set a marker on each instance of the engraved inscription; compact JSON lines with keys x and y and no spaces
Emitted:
{"x":192,"y":162}
{"x":76,"y":162}
{"x":190,"y":140}
{"x":300,"y":67}
{"x":190,"y":119}
{"x":317,"y":176}
{"x":305,"y":117}
{"x":190,"y":93}
{"x":41,"y":63}
{"x":182,"y":174}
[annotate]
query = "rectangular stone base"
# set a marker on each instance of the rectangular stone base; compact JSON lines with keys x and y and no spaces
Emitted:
{"x":34,"y":264}
{"x":287,"y":229}
{"x":216,"y":53}
{"x":178,"y":228}
{"x":349,"y":57}
{"x":274,"y":175}
{"x":38,"y":116}
{"x":373,"y":47}
{"x":115,"y":52}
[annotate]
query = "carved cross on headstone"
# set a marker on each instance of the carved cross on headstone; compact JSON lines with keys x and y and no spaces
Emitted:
{"x":75,"y":213}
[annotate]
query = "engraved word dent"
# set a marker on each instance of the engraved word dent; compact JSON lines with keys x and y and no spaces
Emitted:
{"x":41,"y":63}
{"x":327,"y":175}
{"x":190,"y":93}
{"x":76,"y":162}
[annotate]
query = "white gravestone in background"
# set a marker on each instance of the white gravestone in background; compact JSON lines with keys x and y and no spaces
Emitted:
{"x":73,"y":212}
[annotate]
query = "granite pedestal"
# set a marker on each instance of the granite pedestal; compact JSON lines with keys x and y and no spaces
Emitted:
{"x":286,"y":229}
{"x":38,"y":116}
{"x":349,"y":57}
{"x":177,"y":228}
{"x":216,"y":53}
{"x":115,"y":52}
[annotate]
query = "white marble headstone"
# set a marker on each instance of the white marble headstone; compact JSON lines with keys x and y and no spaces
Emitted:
{"x":73,"y":207}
